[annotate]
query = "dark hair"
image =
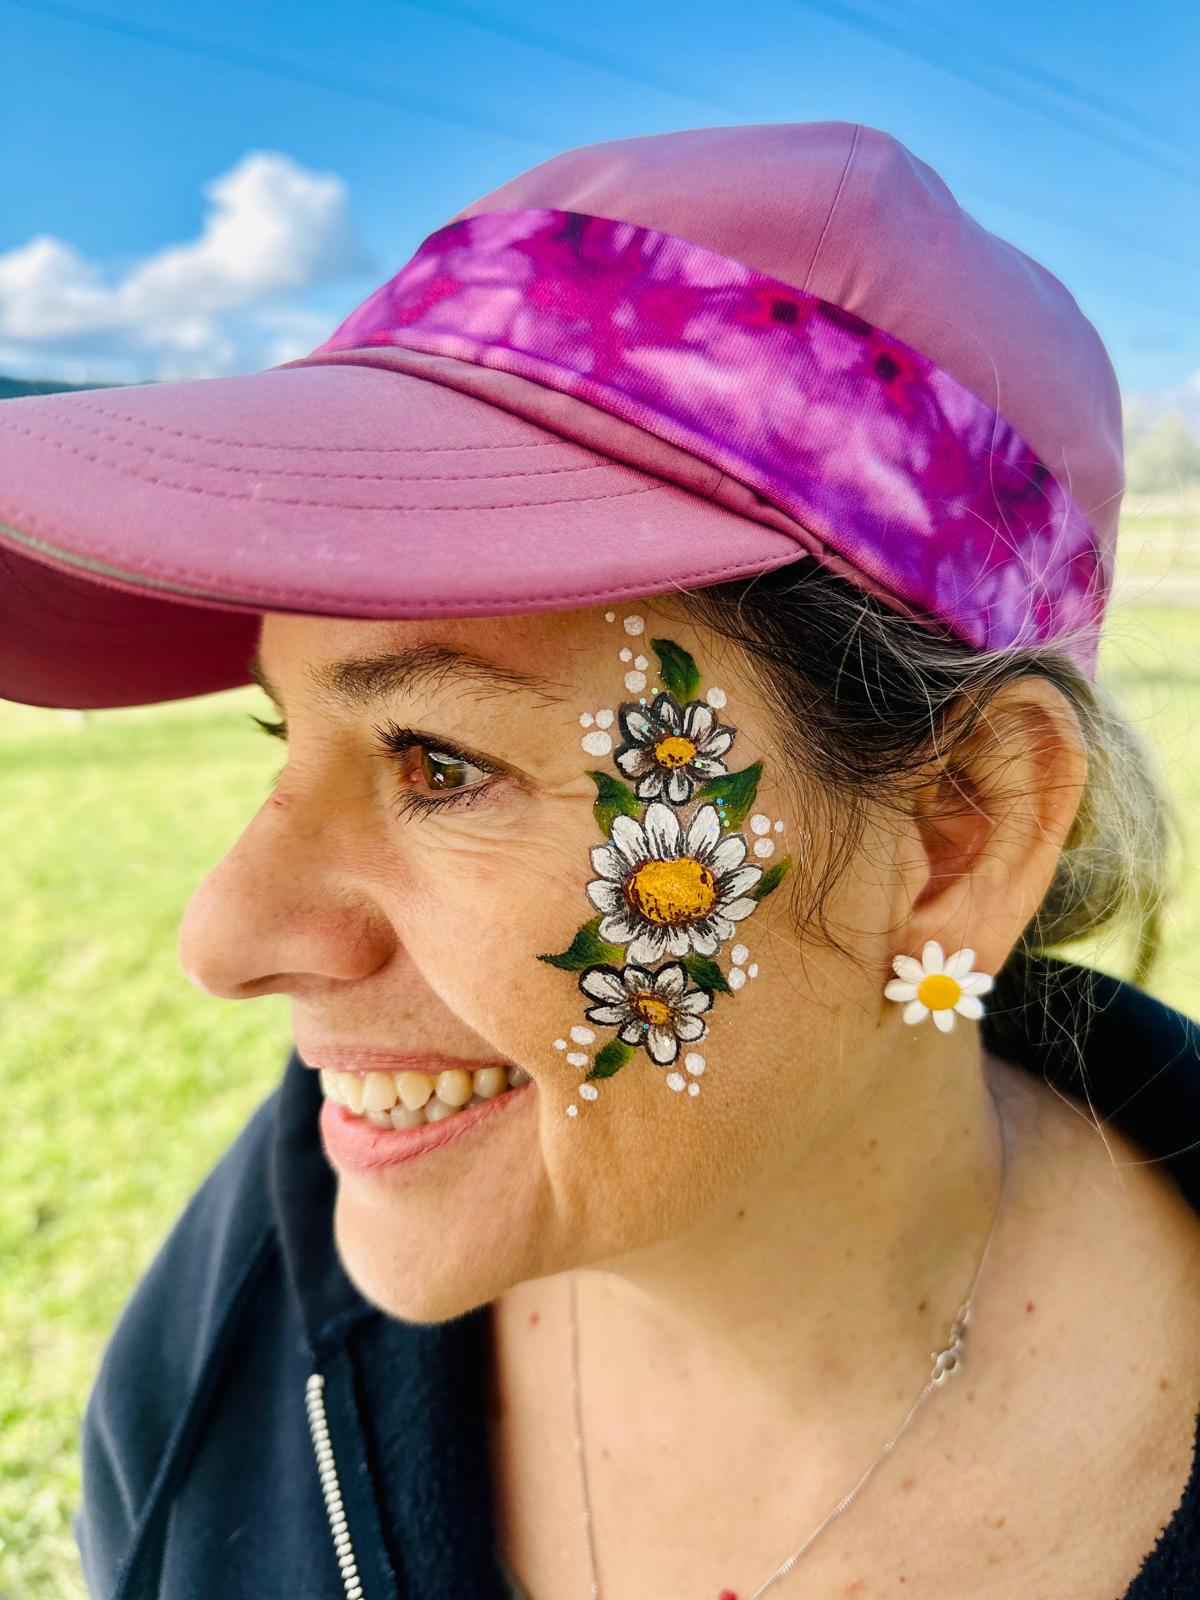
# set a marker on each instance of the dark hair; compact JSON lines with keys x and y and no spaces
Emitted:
{"x":870,"y":699}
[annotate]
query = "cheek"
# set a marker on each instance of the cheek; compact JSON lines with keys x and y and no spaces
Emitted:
{"x":475,"y":920}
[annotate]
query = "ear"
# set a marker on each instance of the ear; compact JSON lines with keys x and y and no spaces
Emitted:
{"x":988,"y":828}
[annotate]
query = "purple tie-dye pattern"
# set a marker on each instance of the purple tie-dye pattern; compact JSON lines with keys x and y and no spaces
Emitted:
{"x":893,"y":463}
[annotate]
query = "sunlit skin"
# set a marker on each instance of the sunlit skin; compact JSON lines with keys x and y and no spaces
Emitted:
{"x":788,"y":1245}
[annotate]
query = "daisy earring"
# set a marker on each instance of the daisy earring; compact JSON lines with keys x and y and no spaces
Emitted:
{"x":938,"y":985}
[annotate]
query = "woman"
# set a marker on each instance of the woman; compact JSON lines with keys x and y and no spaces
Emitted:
{"x":679,"y":587}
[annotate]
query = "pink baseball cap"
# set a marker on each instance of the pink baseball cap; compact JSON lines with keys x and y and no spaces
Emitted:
{"x":641,"y":366}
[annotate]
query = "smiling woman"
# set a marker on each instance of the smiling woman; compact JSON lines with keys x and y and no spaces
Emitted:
{"x":694,"y":757}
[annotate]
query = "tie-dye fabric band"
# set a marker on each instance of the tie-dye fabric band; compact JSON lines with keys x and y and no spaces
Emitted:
{"x":874,"y":448}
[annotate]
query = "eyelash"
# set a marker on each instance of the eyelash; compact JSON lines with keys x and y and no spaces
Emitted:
{"x":395,"y":743}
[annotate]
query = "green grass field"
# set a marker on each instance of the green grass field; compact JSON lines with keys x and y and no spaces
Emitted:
{"x":123,"y":1084}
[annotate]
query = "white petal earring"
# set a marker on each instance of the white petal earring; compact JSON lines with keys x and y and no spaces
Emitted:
{"x":938,"y":986}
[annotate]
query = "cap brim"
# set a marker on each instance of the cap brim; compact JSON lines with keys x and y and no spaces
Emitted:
{"x":144,"y":530}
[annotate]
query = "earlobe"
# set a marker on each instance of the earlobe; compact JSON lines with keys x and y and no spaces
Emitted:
{"x":991,"y":823}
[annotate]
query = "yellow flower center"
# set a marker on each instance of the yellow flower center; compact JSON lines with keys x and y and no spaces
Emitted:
{"x":674,"y":751}
{"x":938,"y":992}
{"x":651,"y":1009}
{"x":672,"y":891}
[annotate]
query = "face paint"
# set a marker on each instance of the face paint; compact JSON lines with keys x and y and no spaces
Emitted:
{"x":672,"y":881}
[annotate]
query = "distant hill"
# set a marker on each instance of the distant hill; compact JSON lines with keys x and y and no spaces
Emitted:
{"x":15,"y":388}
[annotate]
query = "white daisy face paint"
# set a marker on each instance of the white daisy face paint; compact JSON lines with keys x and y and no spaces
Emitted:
{"x":672,"y":881}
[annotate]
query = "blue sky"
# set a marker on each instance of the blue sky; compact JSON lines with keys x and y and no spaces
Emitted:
{"x":144,"y":141}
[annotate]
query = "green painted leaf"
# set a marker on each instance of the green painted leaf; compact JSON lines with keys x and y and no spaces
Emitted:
{"x":706,"y":973}
{"x":613,"y":799}
{"x":677,"y":669}
{"x":737,"y":789}
{"x":586,"y":949}
{"x":771,"y":879}
{"x":610,"y":1059}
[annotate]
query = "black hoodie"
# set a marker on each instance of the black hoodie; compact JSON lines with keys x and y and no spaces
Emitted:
{"x":240,"y":1444}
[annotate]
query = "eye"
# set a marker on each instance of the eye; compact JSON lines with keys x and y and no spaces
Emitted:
{"x":453,"y":776}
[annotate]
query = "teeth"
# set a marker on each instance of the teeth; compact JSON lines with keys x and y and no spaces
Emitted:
{"x":410,"y":1099}
{"x":490,"y":1081}
{"x":454,"y":1088}
{"x":414,"y":1088}
{"x":379,"y":1094}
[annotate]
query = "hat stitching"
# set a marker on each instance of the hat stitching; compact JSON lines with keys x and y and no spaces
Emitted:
{"x":332,"y":477}
{"x":309,"y":449}
{"x":159,"y":569}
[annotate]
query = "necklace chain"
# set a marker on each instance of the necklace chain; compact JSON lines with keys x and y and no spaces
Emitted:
{"x":946,"y":1361}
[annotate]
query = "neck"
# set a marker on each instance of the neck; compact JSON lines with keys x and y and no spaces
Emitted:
{"x":817,"y":1299}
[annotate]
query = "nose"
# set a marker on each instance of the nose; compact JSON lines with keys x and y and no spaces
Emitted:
{"x":284,"y":910}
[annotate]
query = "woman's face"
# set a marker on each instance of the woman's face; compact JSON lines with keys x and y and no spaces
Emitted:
{"x":435,"y":832}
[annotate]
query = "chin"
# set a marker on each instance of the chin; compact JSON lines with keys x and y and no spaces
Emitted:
{"x":417,"y":1280}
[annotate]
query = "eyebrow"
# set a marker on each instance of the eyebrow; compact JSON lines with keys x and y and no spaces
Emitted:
{"x":365,"y":682}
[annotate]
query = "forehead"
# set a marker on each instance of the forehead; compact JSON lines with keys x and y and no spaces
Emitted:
{"x":354,"y":662}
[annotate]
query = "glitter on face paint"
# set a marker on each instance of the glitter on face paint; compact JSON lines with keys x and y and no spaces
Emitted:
{"x":635,"y":625}
{"x":597,"y":744}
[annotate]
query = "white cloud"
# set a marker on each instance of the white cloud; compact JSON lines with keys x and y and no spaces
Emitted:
{"x":217,"y":303}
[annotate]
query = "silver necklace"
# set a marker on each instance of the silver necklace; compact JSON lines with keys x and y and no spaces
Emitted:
{"x":946,"y":1361}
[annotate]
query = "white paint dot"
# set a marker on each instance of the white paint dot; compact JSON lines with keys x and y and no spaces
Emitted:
{"x":586,"y":719}
{"x":597,"y":744}
{"x":641,"y":663}
{"x":626,"y":654}
{"x":736,"y":978}
{"x":716,"y":698}
{"x":572,"y":1111}
{"x":635,"y":625}
{"x":693,"y":1088}
{"x":582,"y":1035}
{"x":577,"y":1058}
{"x":759,"y":823}
{"x":762,"y":847}
{"x":589,"y":1091}
{"x":560,"y":1044}
{"x":675,"y":1080}
{"x":738,"y":955}
{"x":635,"y":681}
{"x":604,"y":719}
{"x":610,"y":616}
{"x":694,"y":1062}
{"x":779,"y":826}
{"x":752,"y":969}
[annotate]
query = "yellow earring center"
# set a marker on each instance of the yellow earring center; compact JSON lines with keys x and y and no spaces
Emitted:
{"x":674,"y":751}
{"x":672,"y":891}
{"x":651,"y":1009}
{"x":938,"y":992}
